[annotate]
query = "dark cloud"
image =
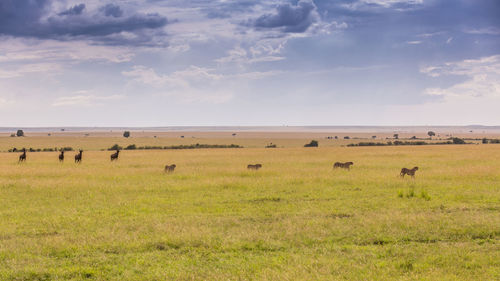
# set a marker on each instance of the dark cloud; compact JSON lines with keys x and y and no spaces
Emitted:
{"x":112,"y":10}
{"x":289,"y":18}
{"x":17,"y":15}
{"x":31,"y":18}
{"x":103,"y":26}
{"x":75,"y":10}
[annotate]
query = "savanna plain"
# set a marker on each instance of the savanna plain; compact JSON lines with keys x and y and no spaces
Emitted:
{"x":212,"y":219}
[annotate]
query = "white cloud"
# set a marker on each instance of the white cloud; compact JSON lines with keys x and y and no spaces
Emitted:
{"x":472,"y":101}
{"x":18,"y":71}
{"x":21,"y":50}
{"x":84,"y":99}
{"x":364,"y":4}
{"x":195,"y":84}
{"x":485,"y":30}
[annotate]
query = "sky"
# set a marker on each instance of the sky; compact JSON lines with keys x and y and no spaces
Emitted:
{"x":242,"y":62}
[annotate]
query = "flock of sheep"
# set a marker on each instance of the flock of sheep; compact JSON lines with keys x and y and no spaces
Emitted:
{"x":171,"y":168}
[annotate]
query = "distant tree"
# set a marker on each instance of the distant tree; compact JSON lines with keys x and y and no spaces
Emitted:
{"x":336,"y":137}
{"x":12,"y":135}
{"x":374,"y":137}
{"x":20,"y":133}
{"x":396,"y":136}
{"x":458,"y":141}
{"x":313,"y":143}
{"x":126,"y":134}
{"x":485,"y":140}
{"x":347,"y":137}
{"x":431,"y":134}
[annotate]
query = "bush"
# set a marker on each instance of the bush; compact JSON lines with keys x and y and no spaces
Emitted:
{"x":495,"y":141}
{"x":20,"y":133}
{"x":126,"y":134}
{"x":131,"y":147}
{"x":458,"y":141}
{"x":115,"y":147}
{"x":313,"y":143}
{"x":485,"y":141}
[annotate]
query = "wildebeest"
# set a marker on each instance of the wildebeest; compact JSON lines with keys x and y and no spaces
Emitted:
{"x":410,"y":172}
{"x":346,"y":165}
{"x":78,"y":157}
{"x":61,"y":156}
{"x":254,"y":167}
{"x":114,"y":156}
{"x":22,"y":157}
{"x":170,"y":168}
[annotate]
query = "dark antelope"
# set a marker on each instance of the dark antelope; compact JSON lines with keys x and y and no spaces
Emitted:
{"x":346,"y":165}
{"x":410,"y":172}
{"x":114,"y":156}
{"x":170,"y":168}
{"x":254,"y":167}
{"x":78,"y":157}
{"x":22,"y":157}
{"x":61,"y":156}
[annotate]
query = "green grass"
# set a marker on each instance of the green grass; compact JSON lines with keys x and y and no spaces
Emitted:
{"x":212,"y":219}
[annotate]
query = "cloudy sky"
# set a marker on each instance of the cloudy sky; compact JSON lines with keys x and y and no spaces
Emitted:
{"x":249,"y":62}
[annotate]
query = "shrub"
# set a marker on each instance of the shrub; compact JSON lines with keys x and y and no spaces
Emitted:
{"x":271,"y":145}
{"x":131,"y":147}
{"x":313,"y":143}
{"x":126,"y":134}
{"x":115,"y":147}
{"x":458,"y":141}
{"x":347,"y":137}
{"x":485,"y":141}
{"x":495,"y":141}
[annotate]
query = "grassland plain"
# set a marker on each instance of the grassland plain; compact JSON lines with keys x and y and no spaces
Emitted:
{"x":295,"y":219}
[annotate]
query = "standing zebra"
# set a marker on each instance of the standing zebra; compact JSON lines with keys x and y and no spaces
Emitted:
{"x":22,"y":157}
{"x":78,"y":157}
{"x":114,"y":156}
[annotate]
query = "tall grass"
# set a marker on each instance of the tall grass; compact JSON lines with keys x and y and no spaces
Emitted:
{"x":212,"y":219}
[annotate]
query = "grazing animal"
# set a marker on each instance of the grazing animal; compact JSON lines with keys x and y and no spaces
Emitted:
{"x":22,"y":157}
{"x":254,"y":167}
{"x":346,"y":165}
{"x":410,"y":172}
{"x":170,"y":168}
{"x":114,"y":156}
{"x":61,"y":156}
{"x":78,"y":157}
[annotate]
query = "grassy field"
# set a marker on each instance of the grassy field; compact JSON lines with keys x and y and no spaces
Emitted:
{"x":212,"y":219}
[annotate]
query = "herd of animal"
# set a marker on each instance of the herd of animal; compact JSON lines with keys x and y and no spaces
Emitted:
{"x":171,"y":168}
